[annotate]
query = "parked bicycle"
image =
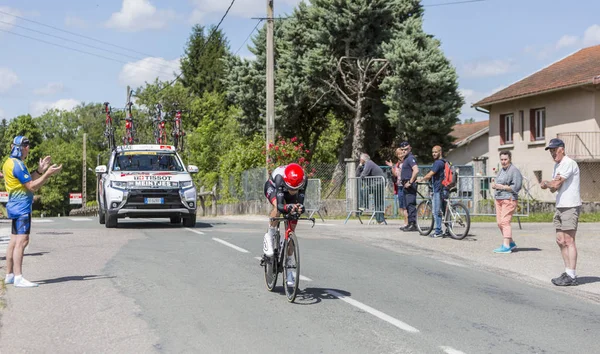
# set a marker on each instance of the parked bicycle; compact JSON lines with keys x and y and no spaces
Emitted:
{"x":109,"y":130}
{"x":160,"y":131}
{"x":129,"y":138}
{"x":455,"y":216}
{"x":178,"y":133}
{"x":286,"y":262}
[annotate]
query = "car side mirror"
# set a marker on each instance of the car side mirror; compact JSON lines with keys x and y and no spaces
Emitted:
{"x":101,"y":169}
{"x":192,"y":169}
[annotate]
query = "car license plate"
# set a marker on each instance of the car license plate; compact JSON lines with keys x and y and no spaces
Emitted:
{"x":153,"y":201}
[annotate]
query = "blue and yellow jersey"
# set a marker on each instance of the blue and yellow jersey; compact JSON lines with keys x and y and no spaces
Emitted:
{"x":19,"y":198}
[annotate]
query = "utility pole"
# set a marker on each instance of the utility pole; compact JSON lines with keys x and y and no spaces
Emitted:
{"x":83,"y":182}
{"x":270,"y":79}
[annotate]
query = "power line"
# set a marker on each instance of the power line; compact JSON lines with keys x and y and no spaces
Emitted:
{"x":77,"y":50}
{"x":204,"y":46}
{"x":251,"y":32}
{"x":75,"y":34}
{"x":453,"y":3}
{"x":83,"y":44}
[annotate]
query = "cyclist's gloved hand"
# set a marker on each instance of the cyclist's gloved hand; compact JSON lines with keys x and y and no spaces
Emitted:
{"x":288,"y":208}
{"x":301,"y":209}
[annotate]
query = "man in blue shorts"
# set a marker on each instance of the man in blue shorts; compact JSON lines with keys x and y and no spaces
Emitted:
{"x":21,"y":185}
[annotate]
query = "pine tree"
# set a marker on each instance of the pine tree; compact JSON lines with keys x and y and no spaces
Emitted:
{"x":422,"y":94}
{"x":203,"y":67}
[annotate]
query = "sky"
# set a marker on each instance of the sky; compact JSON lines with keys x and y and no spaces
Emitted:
{"x":491,"y":43}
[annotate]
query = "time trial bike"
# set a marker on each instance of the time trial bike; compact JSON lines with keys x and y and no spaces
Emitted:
{"x":286,"y":257}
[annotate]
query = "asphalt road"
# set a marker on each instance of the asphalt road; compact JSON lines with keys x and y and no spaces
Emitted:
{"x":152,"y":287}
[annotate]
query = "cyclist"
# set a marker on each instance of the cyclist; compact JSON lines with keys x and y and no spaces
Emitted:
{"x":285,"y":190}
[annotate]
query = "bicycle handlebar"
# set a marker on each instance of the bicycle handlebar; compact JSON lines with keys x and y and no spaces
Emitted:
{"x":293,"y":217}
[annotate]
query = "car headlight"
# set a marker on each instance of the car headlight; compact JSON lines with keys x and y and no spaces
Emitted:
{"x":118,"y":184}
{"x":186,"y":184}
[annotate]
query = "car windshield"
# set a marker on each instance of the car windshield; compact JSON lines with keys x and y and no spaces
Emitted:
{"x":147,"y":161}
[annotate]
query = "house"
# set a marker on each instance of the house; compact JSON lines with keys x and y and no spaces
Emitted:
{"x":470,"y":146}
{"x":561,"y":100}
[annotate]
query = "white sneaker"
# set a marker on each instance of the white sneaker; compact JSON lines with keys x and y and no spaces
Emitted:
{"x":24,"y":283}
{"x":290,"y":278}
{"x":268,"y":245}
{"x":9,"y":279}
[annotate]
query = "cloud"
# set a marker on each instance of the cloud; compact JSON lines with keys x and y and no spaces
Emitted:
{"x":8,"y":79}
{"x":591,"y":36}
{"x":75,"y":21}
{"x":2,"y":114}
{"x":50,"y":89}
{"x":241,"y":8}
{"x":487,"y":68}
{"x":138,"y":15}
{"x":566,"y":41}
{"x":66,"y":104}
{"x":8,"y":21}
{"x":146,"y":70}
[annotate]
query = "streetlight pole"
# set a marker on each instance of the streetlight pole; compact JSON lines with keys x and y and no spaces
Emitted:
{"x":270,"y":80}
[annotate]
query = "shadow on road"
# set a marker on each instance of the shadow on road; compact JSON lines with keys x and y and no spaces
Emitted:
{"x":313,"y":296}
{"x":588,"y":280}
{"x":74,"y":278}
{"x":36,"y":254}
{"x":530,"y":249}
{"x":158,"y":225}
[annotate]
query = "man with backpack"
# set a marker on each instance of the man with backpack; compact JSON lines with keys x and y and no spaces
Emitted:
{"x":441,"y":179}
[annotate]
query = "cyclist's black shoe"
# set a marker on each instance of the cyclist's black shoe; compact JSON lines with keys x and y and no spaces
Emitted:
{"x":565,"y":280}
{"x":410,"y":228}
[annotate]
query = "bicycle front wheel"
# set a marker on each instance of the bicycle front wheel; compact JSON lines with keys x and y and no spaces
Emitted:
{"x":425,"y":217}
{"x":460,"y":221}
{"x":291,"y":267}
{"x":270,"y":266}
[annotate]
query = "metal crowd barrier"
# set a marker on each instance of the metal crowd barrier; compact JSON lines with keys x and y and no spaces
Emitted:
{"x":478,"y":196}
{"x":366,"y":195}
{"x":312,"y":198}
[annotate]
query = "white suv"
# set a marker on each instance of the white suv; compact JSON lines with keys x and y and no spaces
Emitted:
{"x":146,"y":181}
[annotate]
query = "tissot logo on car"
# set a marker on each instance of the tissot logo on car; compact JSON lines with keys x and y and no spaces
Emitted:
{"x":152,"y":178}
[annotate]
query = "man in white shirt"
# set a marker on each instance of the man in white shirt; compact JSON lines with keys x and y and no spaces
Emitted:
{"x":565,"y":180}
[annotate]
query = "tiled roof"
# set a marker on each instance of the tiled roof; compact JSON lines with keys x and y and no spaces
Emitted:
{"x":580,"y":68}
{"x":462,"y":131}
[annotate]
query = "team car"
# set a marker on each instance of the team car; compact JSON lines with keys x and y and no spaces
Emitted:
{"x":146,"y":181}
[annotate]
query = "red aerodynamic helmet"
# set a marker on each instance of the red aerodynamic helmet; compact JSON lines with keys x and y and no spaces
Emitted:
{"x":293,"y":176}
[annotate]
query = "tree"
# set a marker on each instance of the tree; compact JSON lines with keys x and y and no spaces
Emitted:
{"x":203,"y":67}
{"x":422,"y":93}
{"x":468,"y":121}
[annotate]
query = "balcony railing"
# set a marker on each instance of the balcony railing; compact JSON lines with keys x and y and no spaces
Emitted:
{"x":582,"y":146}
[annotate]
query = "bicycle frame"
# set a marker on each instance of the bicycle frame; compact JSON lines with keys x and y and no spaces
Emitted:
{"x":279,"y":263}
{"x":129,"y":137}
{"x":109,"y":130}
{"x":178,"y":132}
{"x":159,"y":127}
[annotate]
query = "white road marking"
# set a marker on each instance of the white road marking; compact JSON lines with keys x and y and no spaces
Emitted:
{"x":302,"y":277}
{"x":230,"y":245}
{"x":80,"y":219}
{"x":450,"y":350}
{"x":403,"y":326}
{"x":41,"y":220}
{"x":195,"y":231}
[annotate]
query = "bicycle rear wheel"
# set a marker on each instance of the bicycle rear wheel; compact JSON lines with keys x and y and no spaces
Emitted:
{"x":460,"y":223}
{"x":291,"y":267}
{"x":425,"y":217}
{"x":270,"y":266}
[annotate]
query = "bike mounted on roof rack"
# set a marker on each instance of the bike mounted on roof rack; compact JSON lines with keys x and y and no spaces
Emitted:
{"x":177,"y":133}
{"x":109,"y":130}
{"x":160,"y":131}
{"x":129,"y":138}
